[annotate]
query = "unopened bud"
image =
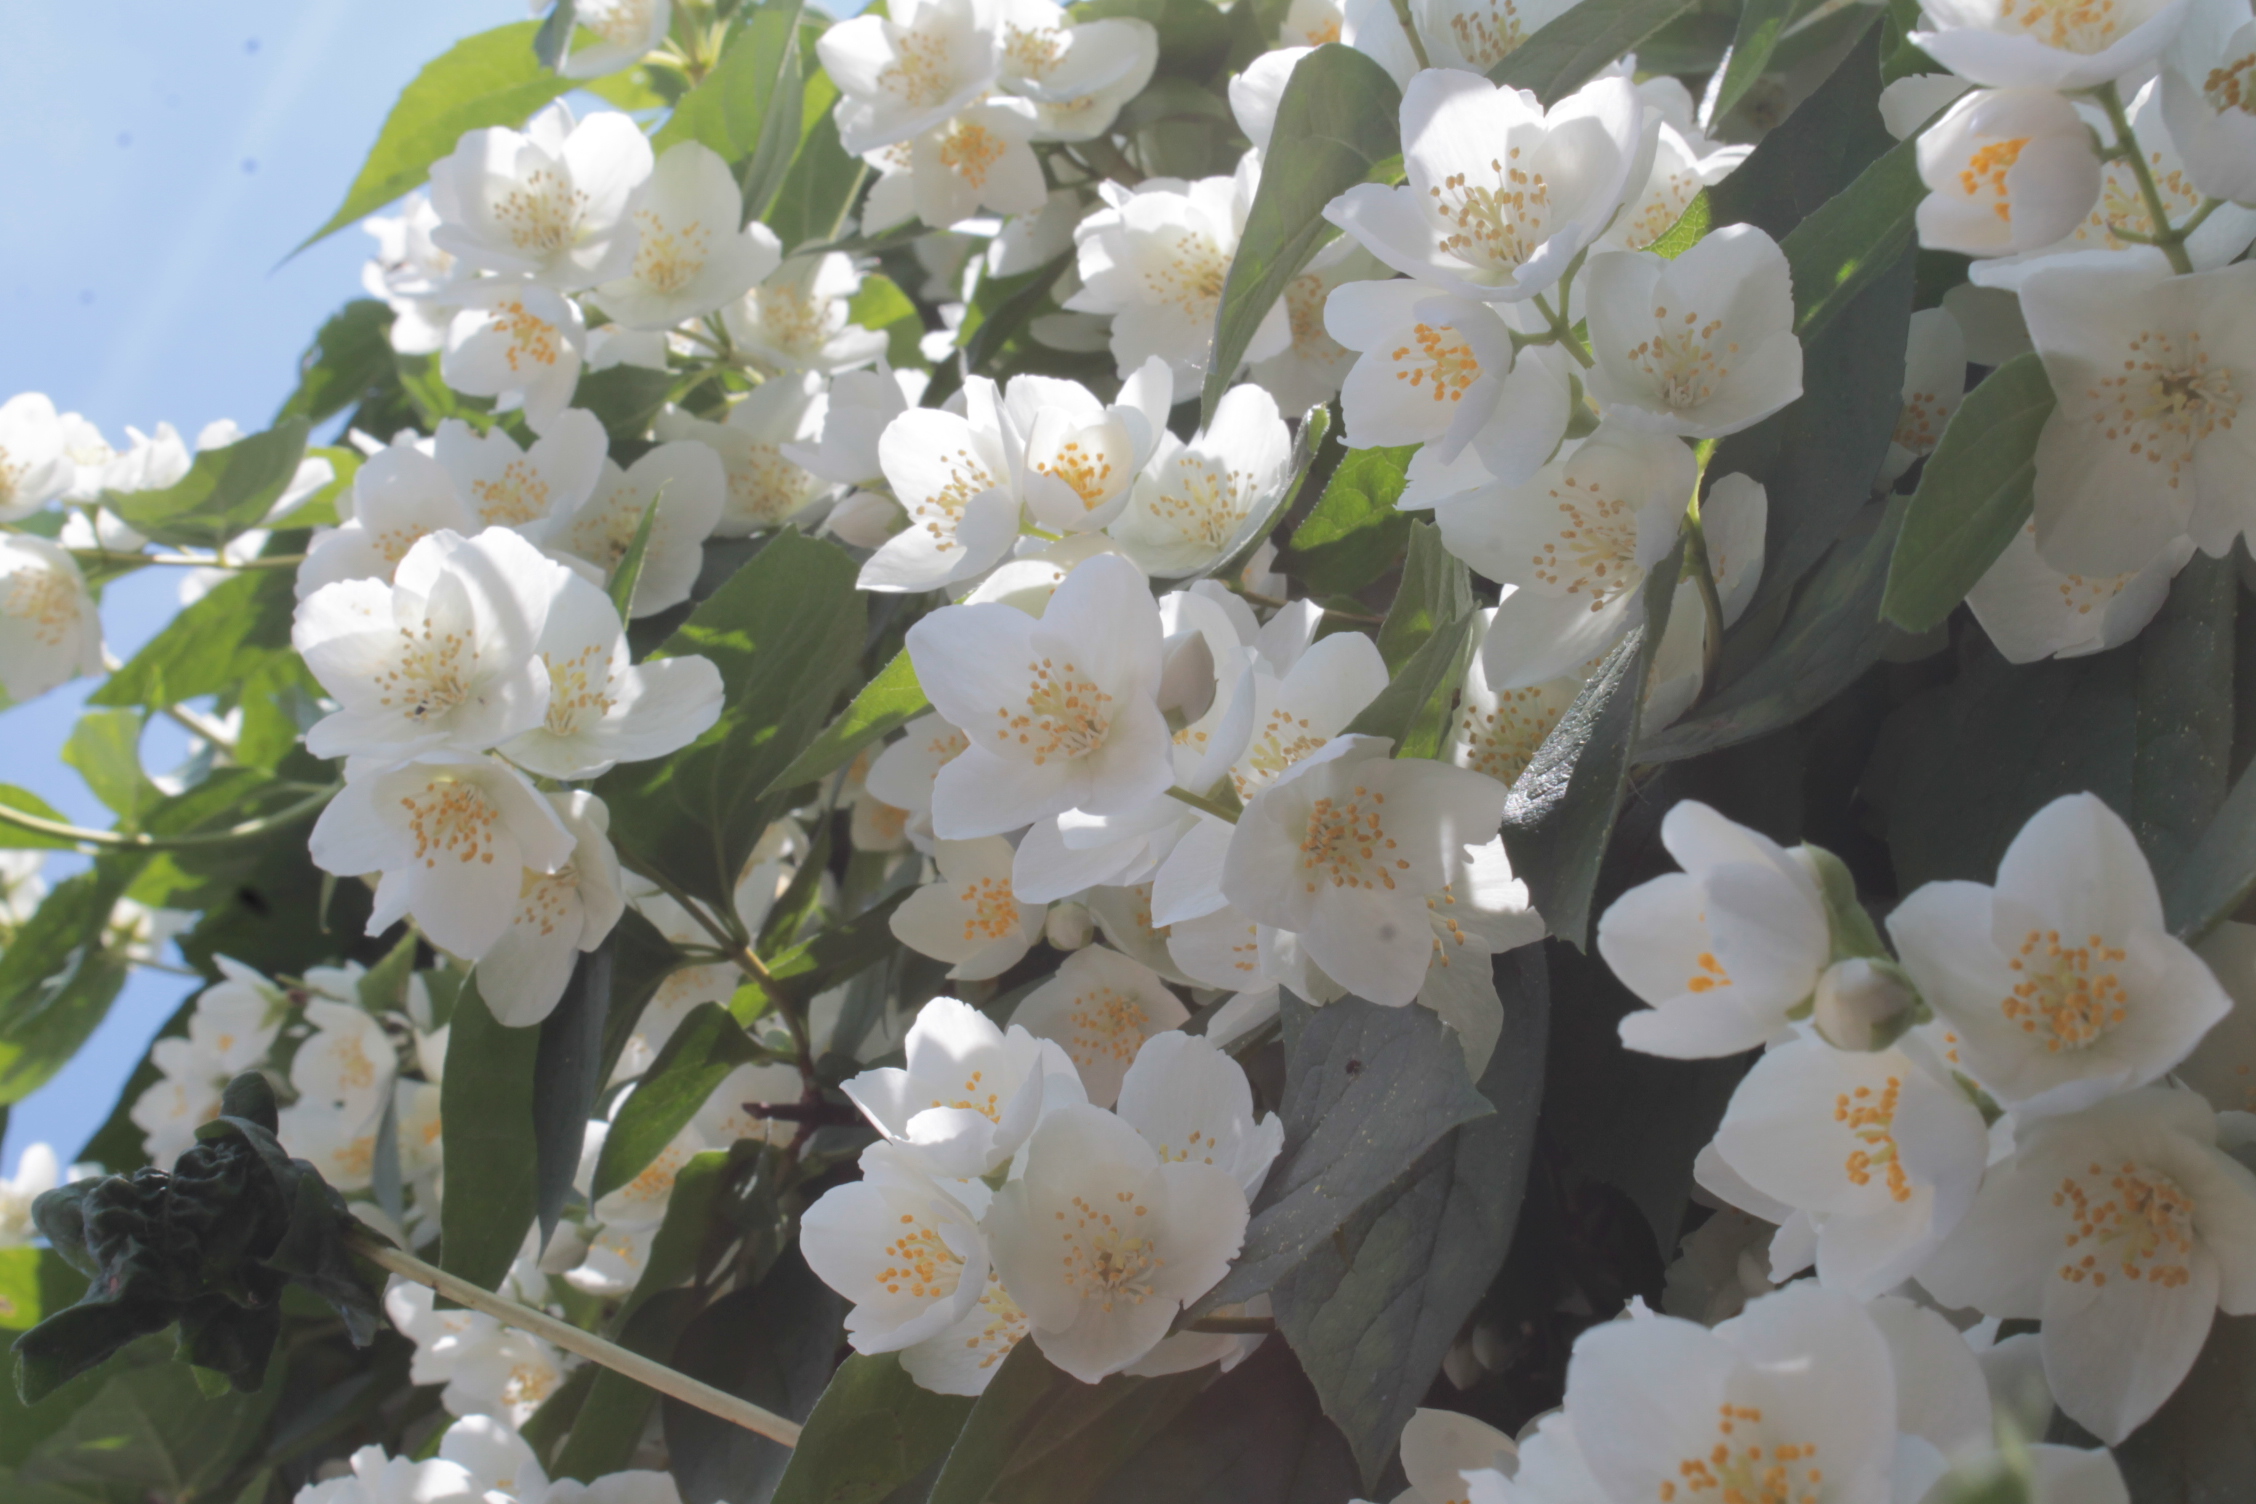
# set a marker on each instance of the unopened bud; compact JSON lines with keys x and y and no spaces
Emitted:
{"x":1865,"y":1004}
{"x":1068,"y":927}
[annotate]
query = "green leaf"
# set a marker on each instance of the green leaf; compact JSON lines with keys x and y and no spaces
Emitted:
{"x":211,"y":647}
{"x":1335,"y":122}
{"x":150,"y":1428}
{"x":552,"y":43}
{"x":56,"y":978}
{"x":884,"y":705}
{"x":20,"y":1303}
{"x":1696,"y":220}
{"x":105,"y":748}
{"x":1413,"y":710}
{"x":568,"y":1071}
{"x":629,"y":572}
{"x":874,"y":1429}
{"x":1974,"y":494}
{"x":1560,"y":813}
{"x":706,"y":1046}
{"x":226,"y":491}
{"x":823,"y":960}
{"x":1037,"y":1436}
{"x":881,"y":305}
{"x":786,"y":633}
{"x":15,"y":837}
{"x":774,"y":1345}
{"x":349,"y":358}
{"x":1568,"y":52}
{"x":1354,"y":533}
{"x":1255,"y":1436}
{"x":824,"y":181}
{"x":1436,"y":590}
{"x":733,"y":107}
{"x":383,"y":987}
{"x":1853,"y":238}
{"x":1372,"y":1311}
{"x":1367,"y":1090}
{"x":486,"y":1117}
{"x":625,"y":397}
{"x":611,"y":1422}
{"x":2185,"y":713}
{"x":2214,"y":878}
{"x":1761,"y":22}
{"x":489,"y":79}
{"x":1837,"y":133}
{"x":1831,"y":634}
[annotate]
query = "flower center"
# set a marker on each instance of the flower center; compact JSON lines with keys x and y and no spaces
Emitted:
{"x":1346,"y":842}
{"x":1065,"y":714}
{"x":1684,"y":359}
{"x":1501,"y":742}
{"x":1444,"y":355}
{"x":1594,"y":551}
{"x":1105,"y":1261}
{"x":1186,"y":269}
{"x":1919,"y":427}
{"x":993,"y":911}
{"x":2233,"y":86}
{"x":1870,"y":1119}
{"x":1487,"y":36}
{"x":1004,"y":1326}
{"x":1738,"y":1471}
{"x":968,"y":149}
{"x":2066,"y":996}
{"x":450,"y":818}
{"x":1495,"y":225}
{"x":1105,"y":1023}
{"x":1707,"y":974}
{"x":431,"y":676}
{"x":577,"y":689}
{"x":543,"y":897}
{"x":1985,"y":172}
{"x":668,"y":260}
{"x":1204,"y":500}
{"x":920,"y":74}
{"x":1304,"y":311}
{"x":2138,"y":1220}
{"x":519,"y":496}
{"x":532,"y":339}
{"x":1282,"y":740}
{"x":541,"y":214}
{"x":2165,"y":400}
{"x":2083,"y":26}
{"x":1033,"y":51}
{"x":1088,"y":470}
{"x":792,"y":320}
{"x":46,"y":600}
{"x":618,"y":22}
{"x":939,"y":513}
{"x":764,"y":487}
{"x":920,"y":1261}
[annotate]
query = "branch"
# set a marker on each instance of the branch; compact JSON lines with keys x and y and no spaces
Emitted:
{"x":134,"y":842}
{"x":540,"y":1324}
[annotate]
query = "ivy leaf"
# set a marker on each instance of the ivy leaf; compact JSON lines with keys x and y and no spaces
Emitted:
{"x":493,"y":78}
{"x":1335,"y":122}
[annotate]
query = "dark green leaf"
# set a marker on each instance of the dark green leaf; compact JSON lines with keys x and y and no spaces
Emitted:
{"x":1367,"y":1090}
{"x":729,"y":109}
{"x":611,"y":1422}
{"x":1335,"y":121}
{"x":1560,"y":813}
{"x":568,"y":1071}
{"x":1582,"y":40}
{"x":2185,"y":713}
{"x":1039,"y":1437}
{"x":1853,"y":239}
{"x":213,"y":646}
{"x":150,"y":1430}
{"x":1837,"y":133}
{"x":1354,"y":532}
{"x":786,"y":632}
{"x":823,"y":181}
{"x":874,"y":1429}
{"x":641,"y":960}
{"x":1436,"y":591}
{"x":885,"y":704}
{"x":1373,"y":1310}
{"x":349,"y":358}
{"x":56,"y":978}
{"x":493,"y":1161}
{"x":774,"y":1345}
{"x":1761,"y":22}
{"x":1974,"y":494}
{"x":2220,"y":872}
{"x":823,"y":960}
{"x":629,"y":572}
{"x":1413,"y":710}
{"x":625,"y":397}
{"x":492,"y":78}
{"x":1255,"y":1436}
{"x":706,"y":1046}
{"x":227,"y":491}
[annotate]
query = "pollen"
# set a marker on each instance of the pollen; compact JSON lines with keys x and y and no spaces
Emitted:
{"x":1870,"y":1118}
{"x":2133,"y":1221}
{"x":2067,"y":996}
{"x":1064,"y":714}
{"x":1443,"y":363}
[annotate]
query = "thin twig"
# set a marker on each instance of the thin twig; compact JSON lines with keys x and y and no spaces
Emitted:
{"x":619,"y":1360}
{"x":111,"y":839}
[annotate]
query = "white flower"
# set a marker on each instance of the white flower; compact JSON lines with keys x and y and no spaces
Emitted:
{"x":902,"y":74}
{"x":1996,"y":43}
{"x":21,"y":888}
{"x":343,"y":1073}
{"x":1574,"y":543}
{"x":2149,"y":371}
{"x":402,"y":494}
{"x":1308,"y":370}
{"x":1439,"y":1447}
{"x":150,"y":462}
{"x":1193,"y":1104}
{"x":903,"y":773}
{"x":2124,"y":1229}
{"x":1060,"y":710}
{"x":969,"y":915}
{"x":2061,"y":983}
{"x":37,"y":1172}
{"x":1074,"y":459}
{"x":1722,"y":951}
{"x":34,"y":469}
{"x":1345,"y":847}
{"x":377,"y":1479}
{"x":979,"y":159}
{"x":970,"y":1093}
{"x":798,"y":320}
{"x":1684,"y":162}
{"x":235,"y":1021}
{"x":603,"y":708}
{"x":2006,"y":170}
{"x":861,"y":404}
{"x":900,"y":1244}
{"x":1195,"y":504}
{"x":1472,"y":225}
{"x":767,"y":486}
{"x":412,"y":275}
{"x":50,"y":631}
{"x":550,"y":204}
{"x":1076,"y":77}
{"x":1438,"y":369}
{"x":1470,"y":35}
{"x":2212,"y":122}
{"x":442,"y":659}
{"x":1156,"y":258}
{"x":1101,"y":1242}
{"x":1100,"y":1008}
{"x":690,"y":258}
{"x":518,"y":342}
{"x":450,"y":838}
{"x":1933,"y":386}
{"x":1496,"y":731}
{"x":505,"y":486}
{"x":502,"y":1373}
{"x":559,"y":914}
{"x":624,"y":31}
{"x":1479,"y":914}
{"x":951,"y":472}
{"x":1795,"y":1397}
{"x":963,"y":1358}
{"x":687,"y":482}
{"x":2031,"y":610}
{"x":1876,"y":1150}
{"x":1703,"y":345}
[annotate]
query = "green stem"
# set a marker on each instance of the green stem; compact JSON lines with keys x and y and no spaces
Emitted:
{"x":1214,"y":807}
{"x":1561,"y":330}
{"x":2170,"y":239}
{"x":112,"y":840}
{"x":1410,"y":30}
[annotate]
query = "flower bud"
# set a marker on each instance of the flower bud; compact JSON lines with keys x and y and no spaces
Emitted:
{"x":1067,"y":926}
{"x":2007,"y":170}
{"x":1865,"y":1004}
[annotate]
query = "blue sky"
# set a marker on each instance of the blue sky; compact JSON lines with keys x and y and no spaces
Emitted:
{"x":160,"y":160}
